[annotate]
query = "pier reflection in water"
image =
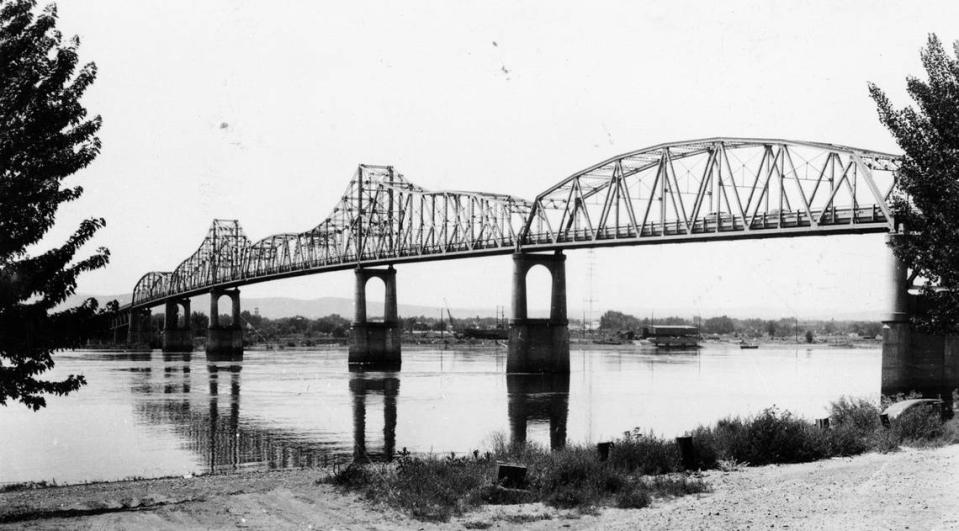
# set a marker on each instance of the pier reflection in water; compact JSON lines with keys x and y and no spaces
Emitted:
{"x":362,"y":384}
{"x":170,"y":368}
{"x":538,"y":398}
{"x":224,"y":445}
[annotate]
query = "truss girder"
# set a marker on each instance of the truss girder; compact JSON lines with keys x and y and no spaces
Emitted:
{"x":712,"y":188}
{"x":381,"y":215}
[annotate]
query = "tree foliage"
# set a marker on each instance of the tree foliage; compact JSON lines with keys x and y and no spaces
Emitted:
{"x":613,"y":320}
{"x":45,"y":136}
{"x":719,"y":325}
{"x":926,"y":201}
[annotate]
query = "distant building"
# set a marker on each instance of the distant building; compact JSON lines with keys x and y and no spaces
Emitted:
{"x":673,"y":336}
{"x":671,"y":331}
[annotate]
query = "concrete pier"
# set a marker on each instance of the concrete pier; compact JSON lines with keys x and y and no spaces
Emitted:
{"x":376,"y":344}
{"x":538,"y":398}
{"x":539,"y":345}
{"x":224,"y":342}
{"x":912,"y":360}
{"x":177,"y":338}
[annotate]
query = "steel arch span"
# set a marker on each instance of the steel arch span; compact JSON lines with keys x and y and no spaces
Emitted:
{"x":699,"y":190}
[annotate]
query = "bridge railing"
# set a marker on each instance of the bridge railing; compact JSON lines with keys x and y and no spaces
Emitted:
{"x":862,"y":219}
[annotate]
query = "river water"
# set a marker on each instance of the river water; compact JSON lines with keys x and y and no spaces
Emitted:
{"x":153,"y":414}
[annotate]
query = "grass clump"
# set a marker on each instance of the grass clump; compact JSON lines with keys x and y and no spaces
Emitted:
{"x":677,"y":485}
{"x":428,"y":488}
{"x":633,"y":498}
{"x":576,"y":477}
{"x":645,"y":453}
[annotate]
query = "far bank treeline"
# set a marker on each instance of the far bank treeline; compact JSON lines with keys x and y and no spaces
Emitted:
{"x":612,"y":322}
{"x":261,"y":328}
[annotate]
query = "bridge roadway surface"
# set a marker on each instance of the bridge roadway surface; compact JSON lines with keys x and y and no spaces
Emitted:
{"x":700,"y":190}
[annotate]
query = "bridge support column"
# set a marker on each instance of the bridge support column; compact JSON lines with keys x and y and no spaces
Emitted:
{"x":177,"y":338}
{"x":140,"y":328}
{"x":539,"y":345}
{"x":376,"y":344}
{"x":912,"y":360}
{"x":224,"y":342}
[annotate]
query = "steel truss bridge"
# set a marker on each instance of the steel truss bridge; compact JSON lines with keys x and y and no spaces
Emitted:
{"x":699,"y":190}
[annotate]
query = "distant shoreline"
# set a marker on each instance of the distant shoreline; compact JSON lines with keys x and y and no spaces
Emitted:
{"x":576,"y":344}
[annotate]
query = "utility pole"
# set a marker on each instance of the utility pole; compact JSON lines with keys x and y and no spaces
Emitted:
{"x":588,"y":302}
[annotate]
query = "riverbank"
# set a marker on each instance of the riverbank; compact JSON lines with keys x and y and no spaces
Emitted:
{"x":912,"y":488}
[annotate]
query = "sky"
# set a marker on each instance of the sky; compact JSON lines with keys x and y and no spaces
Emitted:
{"x":261,"y":111}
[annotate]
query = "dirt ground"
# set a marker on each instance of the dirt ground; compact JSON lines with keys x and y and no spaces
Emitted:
{"x":911,"y":489}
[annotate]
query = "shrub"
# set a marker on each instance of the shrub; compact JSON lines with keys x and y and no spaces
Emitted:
{"x":775,"y":437}
{"x":886,"y":441}
{"x":352,"y":476}
{"x":432,"y":488}
{"x":857,"y":413}
{"x":950,"y":432}
{"x":921,"y":423}
{"x":576,"y":477}
{"x":855,"y":426}
{"x":847,"y":439}
{"x":634,"y":497}
{"x":706,"y":448}
{"x":428,"y":488}
{"x":644,"y":453}
{"x":770,"y":437}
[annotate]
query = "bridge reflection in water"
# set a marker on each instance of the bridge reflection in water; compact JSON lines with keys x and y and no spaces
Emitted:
{"x":212,"y":426}
{"x":215,"y":431}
